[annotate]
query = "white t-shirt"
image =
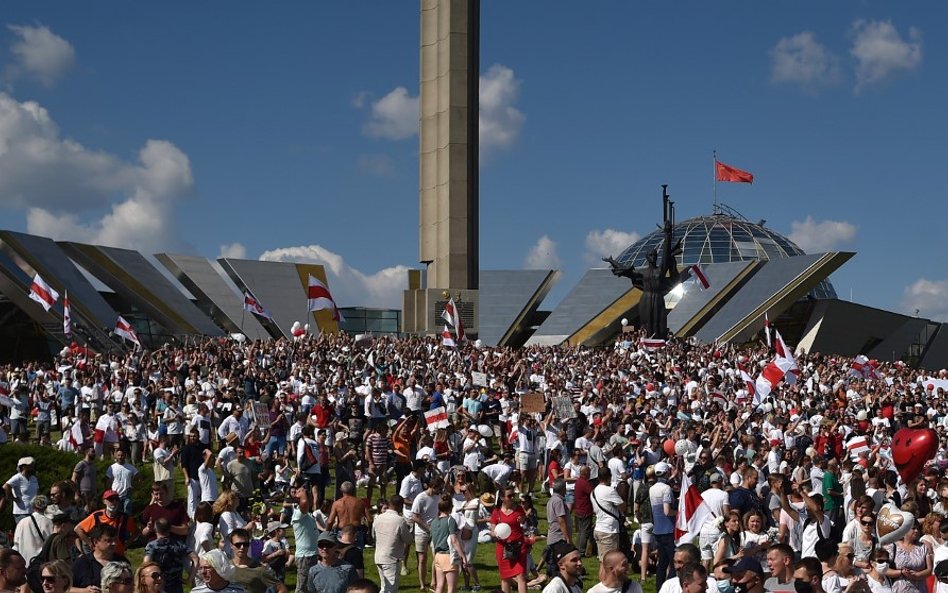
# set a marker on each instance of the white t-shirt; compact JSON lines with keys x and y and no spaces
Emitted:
{"x":411,"y":487}
{"x":121,"y":476}
{"x":426,"y":507}
{"x":203,"y":532}
{"x":617,"y":467}
{"x":673,"y":585}
{"x":558,"y":585}
{"x":809,"y":536}
{"x":629,"y":587}
{"x":208,"y":481}
{"x":606,"y":497}
{"x":25,"y":490}
{"x":715,"y":499}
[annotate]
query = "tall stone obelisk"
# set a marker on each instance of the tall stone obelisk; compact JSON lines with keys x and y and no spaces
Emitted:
{"x":448,"y":163}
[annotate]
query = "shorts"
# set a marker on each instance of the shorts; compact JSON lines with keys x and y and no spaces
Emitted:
{"x":527,"y":461}
{"x":442,"y":562}
{"x":422,"y":539}
{"x":647,"y":528}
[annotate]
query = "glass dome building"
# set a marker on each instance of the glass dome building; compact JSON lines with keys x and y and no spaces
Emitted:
{"x":724,"y":236}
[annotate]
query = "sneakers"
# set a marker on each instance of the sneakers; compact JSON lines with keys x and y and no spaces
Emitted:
{"x":404,"y":571}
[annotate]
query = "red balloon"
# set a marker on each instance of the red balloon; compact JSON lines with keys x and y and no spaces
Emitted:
{"x":912,"y":448}
{"x":669,"y":447}
{"x":650,"y":387}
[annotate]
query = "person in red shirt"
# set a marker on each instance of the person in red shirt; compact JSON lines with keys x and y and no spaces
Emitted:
{"x":583,"y":516}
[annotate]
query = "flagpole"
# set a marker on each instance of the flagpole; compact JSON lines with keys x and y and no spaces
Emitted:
{"x":714,"y":179}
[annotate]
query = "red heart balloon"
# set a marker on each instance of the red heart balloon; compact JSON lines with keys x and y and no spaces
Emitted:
{"x":912,"y":448}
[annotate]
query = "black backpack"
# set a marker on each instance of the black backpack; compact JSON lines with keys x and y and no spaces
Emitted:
{"x":33,"y":571}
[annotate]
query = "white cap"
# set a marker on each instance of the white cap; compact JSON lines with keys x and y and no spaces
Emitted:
{"x":662,"y":468}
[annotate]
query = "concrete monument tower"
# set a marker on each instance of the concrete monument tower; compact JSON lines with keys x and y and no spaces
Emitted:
{"x":448,"y":171}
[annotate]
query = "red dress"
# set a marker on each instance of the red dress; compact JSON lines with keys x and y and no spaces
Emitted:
{"x":510,"y":568}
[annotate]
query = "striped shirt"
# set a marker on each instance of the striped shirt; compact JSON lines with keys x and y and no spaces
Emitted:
{"x":378,"y":447}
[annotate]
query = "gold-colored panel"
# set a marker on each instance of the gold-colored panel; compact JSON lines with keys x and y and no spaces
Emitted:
{"x":323,"y":318}
{"x":790,"y":293}
{"x":608,"y":316}
{"x":723,"y":295}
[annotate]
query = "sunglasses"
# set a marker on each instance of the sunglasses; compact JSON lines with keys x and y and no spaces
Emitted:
{"x":867,"y":523}
{"x":48,"y":579}
{"x":156,"y":575}
{"x":240,"y":544}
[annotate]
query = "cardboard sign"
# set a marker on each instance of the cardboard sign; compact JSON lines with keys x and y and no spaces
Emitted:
{"x":479,"y":379}
{"x":564,"y":408}
{"x":533,"y":403}
{"x":261,"y":415}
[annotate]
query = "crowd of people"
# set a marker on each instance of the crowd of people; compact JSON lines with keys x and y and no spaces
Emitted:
{"x":306,"y":457}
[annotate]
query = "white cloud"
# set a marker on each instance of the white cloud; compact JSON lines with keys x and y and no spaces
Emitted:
{"x":40,"y":53}
{"x":349,"y":286}
{"x":57,"y":180}
{"x":881,"y":52}
{"x":394,"y":116}
{"x":819,"y":236}
{"x":804,"y":61}
{"x":928,"y":297}
{"x":543,"y":256}
{"x":381,"y":165}
{"x":607,"y":243}
{"x":234,"y":250}
{"x":500,"y":121}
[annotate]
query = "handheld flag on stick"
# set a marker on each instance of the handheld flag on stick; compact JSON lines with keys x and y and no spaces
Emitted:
{"x":43,"y":293}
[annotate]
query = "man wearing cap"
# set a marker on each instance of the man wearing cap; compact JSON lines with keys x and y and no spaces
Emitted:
{"x":569,"y":568}
{"x":392,"y":534}
{"x":717,"y":501}
{"x":30,"y":534}
{"x":21,"y":488}
{"x":664,"y":508}
{"x":122,"y":525}
{"x":330,"y":574}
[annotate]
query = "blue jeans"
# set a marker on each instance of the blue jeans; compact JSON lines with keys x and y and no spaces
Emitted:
{"x":665,"y":543}
{"x":276,"y":443}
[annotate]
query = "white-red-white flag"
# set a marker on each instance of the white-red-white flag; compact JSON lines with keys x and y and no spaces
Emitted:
{"x":856,"y":445}
{"x":452,"y":315}
{"x":651,"y":343}
{"x":700,"y":277}
{"x":437,"y":418}
{"x":784,"y":352}
{"x":772,"y":374}
{"x":43,"y":293}
{"x":750,"y":385}
{"x":67,"y":315}
{"x":693,"y":511}
{"x":320,"y":298}
{"x":767,"y":329}
{"x":75,"y":435}
{"x":254,"y":306}
{"x":447,"y":339}
{"x":513,"y":429}
{"x":126,"y":331}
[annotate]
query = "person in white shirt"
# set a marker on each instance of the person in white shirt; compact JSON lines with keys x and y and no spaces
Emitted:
{"x":31,"y":533}
{"x":716,"y":499}
{"x":609,"y":508}
{"x":614,"y":575}
{"x":686,"y":555}
{"x":569,"y":568}
{"x":412,"y":486}
{"x":124,"y":476}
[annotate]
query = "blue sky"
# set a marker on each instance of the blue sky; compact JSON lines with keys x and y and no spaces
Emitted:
{"x":289,"y":130}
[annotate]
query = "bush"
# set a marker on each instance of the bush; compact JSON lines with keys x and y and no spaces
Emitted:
{"x":52,"y":466}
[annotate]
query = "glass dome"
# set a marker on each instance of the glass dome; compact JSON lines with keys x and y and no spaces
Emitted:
{"x":722,"y":237}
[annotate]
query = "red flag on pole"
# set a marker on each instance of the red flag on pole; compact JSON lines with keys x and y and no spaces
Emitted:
{"x":729,"y":173}
{"x":124,"y":329}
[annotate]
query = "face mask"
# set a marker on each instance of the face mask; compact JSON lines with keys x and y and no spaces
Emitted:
{"x":802,"y":586}
{"x":725,"y":587}
{"x":881,"y":567}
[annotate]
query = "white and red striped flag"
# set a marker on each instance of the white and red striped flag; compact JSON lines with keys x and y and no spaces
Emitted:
{"x":693,"y":511}
{"x":772,"y":374}
{"x":43,"y":293}
{"x":856,"y":445}
{"x":75,"y":435}
{"x":651,"y":343}
{"x":67,"y":315}
{"x":700,"y":276}
{"x":437,"y":418}
{"x":254,"y":306}
{"x":513,"y":429}
{"x":784,"y":352}
{"x":751,"y":386}
{"x":767,"y":329}
{"x":452,"y":315}
{"x":447,"y":339}
{"x":126,"y":331}
{"x":320,"y":298}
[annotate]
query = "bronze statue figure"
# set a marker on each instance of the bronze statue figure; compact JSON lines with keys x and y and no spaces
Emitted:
{"x":655,"y":280}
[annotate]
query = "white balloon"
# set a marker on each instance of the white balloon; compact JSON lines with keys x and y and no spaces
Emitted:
{"x":295,"y":326}
{"x":502,"y":531}
{"x":486,"y":431}
{"x":306,"y":327}
{"x":624,"y":322}
{"x":478,"y":344}
{"x":238,"y":337}
{"x":892,"y":524}
{"x":64,"y":352}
